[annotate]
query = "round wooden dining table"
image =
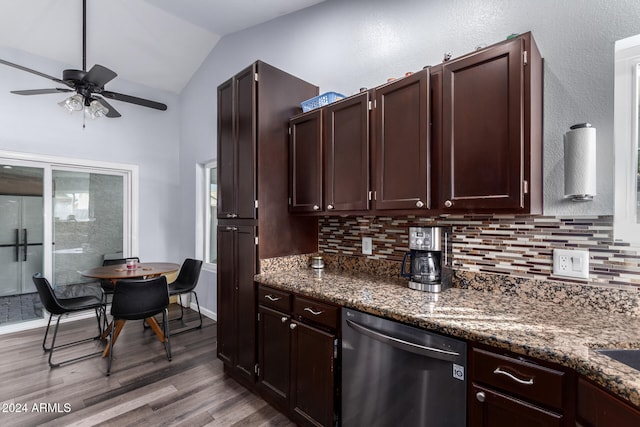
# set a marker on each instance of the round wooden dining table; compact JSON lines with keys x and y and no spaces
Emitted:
{"x":120,"y":271}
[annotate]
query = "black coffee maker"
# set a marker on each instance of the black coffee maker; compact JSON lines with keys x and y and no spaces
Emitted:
{"x":427,"y":259}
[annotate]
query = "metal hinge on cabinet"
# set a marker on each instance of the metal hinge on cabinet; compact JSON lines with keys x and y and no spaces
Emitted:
{"x":255,"y":76}
{"x":525,"y":57}
{"x":289,"y":200}
{"x":256,"y":204}
{"x":526,"y":187}
{"x":258,"y":317}
{"x":289,"y":130}
{"x":256,"y":240}
{"x":256,"y":369}
{"x":335,"y":349}
{"x":370,"y":106}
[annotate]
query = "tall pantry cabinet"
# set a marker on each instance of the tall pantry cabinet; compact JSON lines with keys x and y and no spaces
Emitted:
{"x":254,"y":108}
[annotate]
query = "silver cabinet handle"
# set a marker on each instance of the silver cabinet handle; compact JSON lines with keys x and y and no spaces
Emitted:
{"x":499,"y":371}
{"x":292,"y":326}
{"x":480,"y":396}
{"x":448,"y":204}
{"x":315,"y":313}
{"x":419,"y":204}
{"x":316,"y":207}
{"x":283,"y":319}
{"x":329,"y":207}
{"x":231,"y":228}
{"x":272,"y":298}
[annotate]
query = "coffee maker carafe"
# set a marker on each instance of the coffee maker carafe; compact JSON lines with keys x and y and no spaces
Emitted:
{"x":426,"y":259}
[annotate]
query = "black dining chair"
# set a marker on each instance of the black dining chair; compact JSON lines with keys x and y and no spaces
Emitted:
{"x":186,"y":283}
{"x":62,"y":306}
{"x":106,"y":284}
{"x":139,"y":299}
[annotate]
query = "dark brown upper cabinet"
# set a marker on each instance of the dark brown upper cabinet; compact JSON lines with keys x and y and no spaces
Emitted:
{"x":236,"y":146}
{"x":305,"y":162}
{"x":489,"y":106}
{"x":402,"y":144}
{"x":346,"y":154}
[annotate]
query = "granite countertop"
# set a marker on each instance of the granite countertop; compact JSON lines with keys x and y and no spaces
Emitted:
{"x":535,"y":327}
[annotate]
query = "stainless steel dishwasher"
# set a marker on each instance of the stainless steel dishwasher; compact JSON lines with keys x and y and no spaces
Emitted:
{"x":397,"y":375}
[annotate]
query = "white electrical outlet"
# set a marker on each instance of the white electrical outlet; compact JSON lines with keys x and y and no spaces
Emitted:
{"x":571,"y":263}
{"x":367,"y":246}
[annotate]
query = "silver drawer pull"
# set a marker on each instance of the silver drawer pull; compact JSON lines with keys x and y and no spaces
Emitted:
{"x":284,"y":319}
{"x":499,"y":371}
{"x":315,"y":313}
{"x":272,"y":298}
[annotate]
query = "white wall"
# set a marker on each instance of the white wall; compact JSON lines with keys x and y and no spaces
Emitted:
{"x":343,"y":45}
{"x":142,"y":136}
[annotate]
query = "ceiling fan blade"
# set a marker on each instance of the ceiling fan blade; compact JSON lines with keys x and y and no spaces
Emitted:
{"x":133,"y":100}
{"x":39,"y":91}
{"x":37,"y":73}
{"x":99,"y":75}
{"x":113,"y":113}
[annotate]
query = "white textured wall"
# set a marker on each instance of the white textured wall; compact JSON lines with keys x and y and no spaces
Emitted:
{"x":343,"y":45}
{"x":148,"y":138}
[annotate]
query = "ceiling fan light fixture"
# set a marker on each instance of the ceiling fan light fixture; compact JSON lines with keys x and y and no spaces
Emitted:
{"x":95,"y":109}
{"x":73,"y":103}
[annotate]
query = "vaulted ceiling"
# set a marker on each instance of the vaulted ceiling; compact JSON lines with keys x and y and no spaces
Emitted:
{"x":158,"y":43}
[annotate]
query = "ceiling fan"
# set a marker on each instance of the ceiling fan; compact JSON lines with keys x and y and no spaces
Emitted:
{"x":88,"y":85}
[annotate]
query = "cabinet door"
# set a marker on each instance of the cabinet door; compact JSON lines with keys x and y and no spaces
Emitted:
{"x":226,"y":325}
{"x":483,"y":119}
{"x":346,"y":137}
{"x":313,"y":377}
{"x":246,"y":141}
{"x":246,"y":302}
{"x":226,"y":150}
{"x":402,"y":143}
{"x":236,"y":298}
{"x":598,"y":408}
{"x":488,"y":408}
{"x":274,"y":354}
{"x":305,"y":156}
{"x":237,"y":146}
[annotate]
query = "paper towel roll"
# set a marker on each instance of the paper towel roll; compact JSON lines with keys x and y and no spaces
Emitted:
{"x":580,"y":163}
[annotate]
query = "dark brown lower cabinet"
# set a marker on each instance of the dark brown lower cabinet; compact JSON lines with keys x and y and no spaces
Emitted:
{"x":491,"y":408}
{"x":598,"y":408}
{"x":313,"y":381}
{"x":297,"y":357}
{"x":507,"y":390}
{"x":236,"y":300}
{"x":274,"y":355}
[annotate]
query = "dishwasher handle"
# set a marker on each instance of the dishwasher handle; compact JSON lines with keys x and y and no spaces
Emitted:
{"x":434,"y":353}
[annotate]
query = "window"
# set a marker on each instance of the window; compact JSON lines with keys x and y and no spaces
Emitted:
{"x":626,"y":133}
{"x":211,"y":207}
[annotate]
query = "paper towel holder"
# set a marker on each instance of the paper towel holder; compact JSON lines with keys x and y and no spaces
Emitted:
{"x":580,"y":163}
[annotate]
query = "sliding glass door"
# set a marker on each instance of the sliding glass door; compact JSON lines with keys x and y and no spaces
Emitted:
{"x":88,"y":224}
{"x":59,"y":218}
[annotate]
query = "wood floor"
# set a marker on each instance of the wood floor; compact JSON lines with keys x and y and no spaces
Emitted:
{"x":144,"y":388}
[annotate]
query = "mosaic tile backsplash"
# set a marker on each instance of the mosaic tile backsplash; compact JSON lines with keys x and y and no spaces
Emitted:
{"x":511,"y":245}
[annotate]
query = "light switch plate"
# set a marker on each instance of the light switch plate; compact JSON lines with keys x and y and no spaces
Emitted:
{"x":367,"y":246}
{"x":571,"y":263}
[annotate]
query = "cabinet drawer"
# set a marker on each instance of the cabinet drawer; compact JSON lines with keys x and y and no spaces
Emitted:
{"x":278,"y":300}
{"x":316,"y":312}
{"x":532,"y":382}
